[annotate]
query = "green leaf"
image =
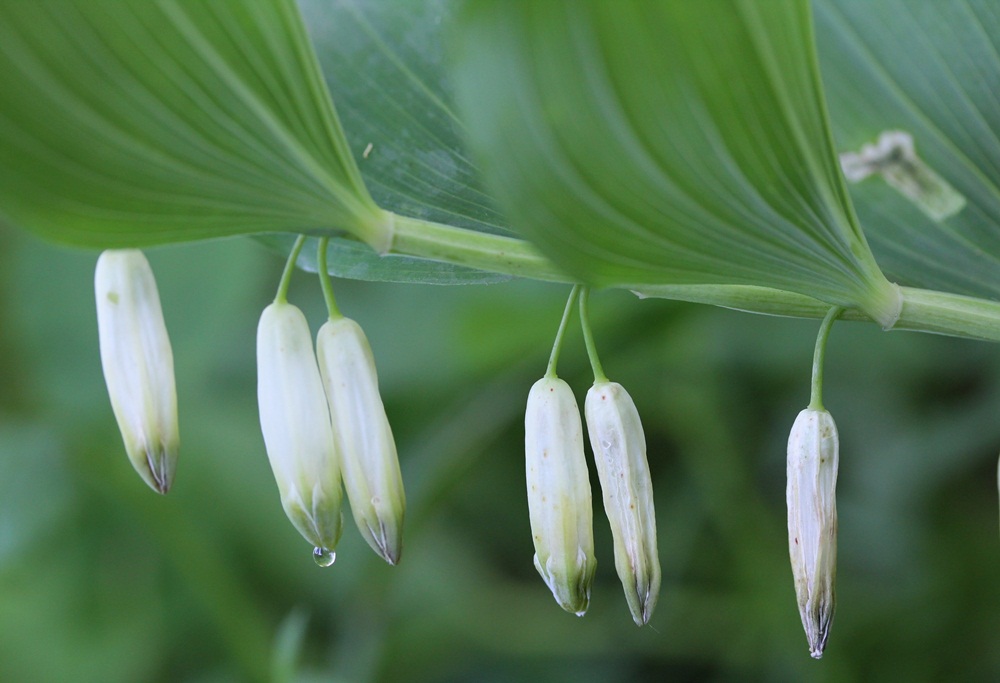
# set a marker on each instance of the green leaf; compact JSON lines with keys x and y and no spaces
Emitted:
{"x":384,"y":65}
{"x":666,"y":143}
{"x":931,"y":70}
{"x":134,"y":122}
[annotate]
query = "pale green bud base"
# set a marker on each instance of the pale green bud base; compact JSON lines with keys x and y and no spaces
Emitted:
{"x":318,"y":520}
{"x":159,"y":466}
{"x":570,"y":586}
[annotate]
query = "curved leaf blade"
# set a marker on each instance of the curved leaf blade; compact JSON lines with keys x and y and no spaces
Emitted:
{"x":385,"y":65}
{"x":666,"y":143}
{"x":134,"y":122}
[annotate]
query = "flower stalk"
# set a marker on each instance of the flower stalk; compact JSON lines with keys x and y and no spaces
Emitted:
{"x":361,"y":431}
{"x":812,"y":464}
{"x":295,"y":422}
{"x":560,"y":507}
{"x":619,"y":445}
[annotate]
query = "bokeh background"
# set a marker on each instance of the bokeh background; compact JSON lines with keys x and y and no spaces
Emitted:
{"x":102,"y":580}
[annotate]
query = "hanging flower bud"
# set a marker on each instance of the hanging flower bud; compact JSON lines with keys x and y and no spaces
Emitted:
{"x":812,"y":521}
{"x":296,"y":427}
{"x":619,"y":446}
{"x":138,"y":364}
{"x":362,"y":435}
{"x":559,"y":502}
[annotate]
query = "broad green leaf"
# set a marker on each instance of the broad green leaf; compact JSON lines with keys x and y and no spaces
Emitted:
{"x":384,"y":65}
{"x":133,"y":122}
{"x":384,"y":62}
{"x":931,"y":70}
{"x":666,"y":143}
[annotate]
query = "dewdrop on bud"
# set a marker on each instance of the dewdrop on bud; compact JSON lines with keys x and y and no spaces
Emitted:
{"x":296,"y":426}
{"x":619,"y":446}
{"x":559,"y":500}
{"x":138,"y":364}
{"x":362,"y":435}
{"x":812,"y":521}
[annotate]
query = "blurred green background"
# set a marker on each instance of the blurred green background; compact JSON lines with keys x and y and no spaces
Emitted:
{"x":102,"y":580}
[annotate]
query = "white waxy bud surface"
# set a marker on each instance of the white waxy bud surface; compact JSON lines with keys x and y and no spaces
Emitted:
{"x":138,"y":364}
{"x":362,"y":435}
{"x":559,"y":498}
{"x":295,"y":422}
{"x":619,"y":446}
{"x":813,"y":458}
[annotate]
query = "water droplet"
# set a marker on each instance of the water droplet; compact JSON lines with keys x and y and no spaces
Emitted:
{"x":606,"y":445}
{"x":324,"y":557}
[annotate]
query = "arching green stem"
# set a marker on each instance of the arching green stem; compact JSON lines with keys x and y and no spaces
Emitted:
{"x":588,"y":337}
{"x":922,"y":310}
{"x":550,"y":371}
{"x":286,"y":276}
{"x":324,"y":280}
{"x":819,"y":355}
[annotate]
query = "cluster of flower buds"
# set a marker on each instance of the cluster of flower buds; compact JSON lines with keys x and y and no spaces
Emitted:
{"x":324,"y":421}
{"x":813,"y":459}
{"x":324,"y":425}
{"x":559,"y":496}
{"x":138,"y":364}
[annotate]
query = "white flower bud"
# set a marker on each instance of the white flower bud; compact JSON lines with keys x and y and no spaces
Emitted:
{"x":362,"y":435}
{"x":619,"y":446}
{"x":296,"y":425}
{"x":559,"y":501}
{"x":812,"y":521}
{"x":138,"y":364}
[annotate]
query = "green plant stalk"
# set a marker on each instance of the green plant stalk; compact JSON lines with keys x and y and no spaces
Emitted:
{"x":324,"y":280}
{"x":286,"y":276}
{"x":819,"y":356}
{"x":588,"y":337}
{"x":550,"y":371}
{"x":922,"y":310}
{"x":494,"y":253}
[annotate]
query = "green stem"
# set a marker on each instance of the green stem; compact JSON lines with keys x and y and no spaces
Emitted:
{"x":495,"y":253}
{"x":324,"y":280}
{"x":588,"y":338}
{"x":286,"y":276}
{"x":550,"y":371}
{"x":923,"y":310}
{"x":819,"y":355}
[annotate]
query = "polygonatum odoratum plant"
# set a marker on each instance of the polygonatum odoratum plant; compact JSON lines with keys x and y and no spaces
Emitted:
{"x":775,"y":157}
